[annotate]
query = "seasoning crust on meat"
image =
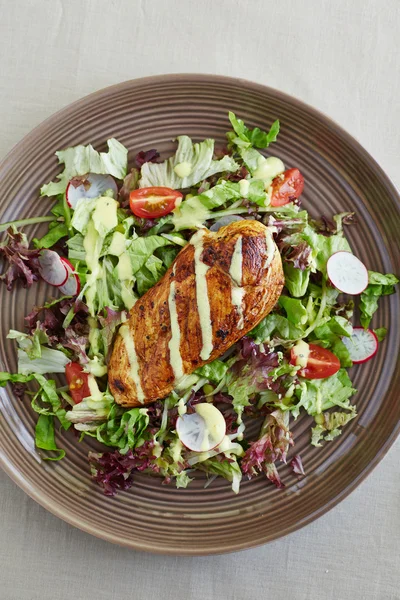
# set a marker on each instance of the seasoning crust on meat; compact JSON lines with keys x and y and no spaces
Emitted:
{"x":205,"y":311}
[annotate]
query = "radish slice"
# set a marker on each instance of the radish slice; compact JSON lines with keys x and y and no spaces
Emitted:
{"x":52,"y":268}
{"x":95,"y":185}
{"x":72,"y":286}
{"x":347,"y":273}
{"x":202,"y":430}
{"x":362,"y":345}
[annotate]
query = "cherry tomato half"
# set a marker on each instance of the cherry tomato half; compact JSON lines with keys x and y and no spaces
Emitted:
{"x":287,"y":187}
{"x":153,"y":202}
{"x":321,"y":363}
{"x":77,"y":381}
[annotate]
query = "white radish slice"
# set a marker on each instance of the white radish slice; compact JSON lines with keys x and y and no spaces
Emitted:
{"x":347,"y":273}
{"x":72,"y":286}
{"x":202,"y":430}
{"x":52,"y":268}
{"x":95,"y":186}
{"x":362,"y":345}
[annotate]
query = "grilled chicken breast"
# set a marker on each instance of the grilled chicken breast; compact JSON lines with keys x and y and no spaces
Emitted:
{"x":219,"y":287}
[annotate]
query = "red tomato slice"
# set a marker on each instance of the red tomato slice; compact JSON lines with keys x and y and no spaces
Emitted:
{"x":153,"y":202}
{"x":287,"y":187}
{"x":77,"y":381}
{"x":321,"y":363}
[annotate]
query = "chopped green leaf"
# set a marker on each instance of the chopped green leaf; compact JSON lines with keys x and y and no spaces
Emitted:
{"x":252,"y":137}
{"x":324,"y":246}
{"x":329,"y":426}
{"x":318,"y":395}
{"x":379,"y":285}
{"x":296,"y":281}
{"x":198,"y":156}
{"x":80,"y":160}
{"x":214,"y":371}
{"x":295,"y":310}
{"x":55,"y":234}
{"x":380,"y":333}
{"x":274,"y":324}
{"x":45,"y":439}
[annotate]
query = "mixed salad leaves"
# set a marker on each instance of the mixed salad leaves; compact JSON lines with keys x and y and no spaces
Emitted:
{"x":112,"y":234}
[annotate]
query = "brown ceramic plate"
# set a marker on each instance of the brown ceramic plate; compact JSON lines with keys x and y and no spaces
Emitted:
{"x":340,"y":176}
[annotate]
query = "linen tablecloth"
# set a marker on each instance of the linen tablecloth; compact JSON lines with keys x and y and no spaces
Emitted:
{"x":341,"y":57}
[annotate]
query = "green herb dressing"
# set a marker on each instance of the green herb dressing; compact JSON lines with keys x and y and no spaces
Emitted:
{"x":236,"y":274}
{"x":129,"y":342}
{"x":202,"y":299}
{"x":175,"y":357}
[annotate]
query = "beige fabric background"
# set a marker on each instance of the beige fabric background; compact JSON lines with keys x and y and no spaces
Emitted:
{"x":343,"y":58}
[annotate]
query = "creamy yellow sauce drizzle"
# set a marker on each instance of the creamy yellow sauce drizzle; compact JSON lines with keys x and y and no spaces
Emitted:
{"x":202,"y":299}
{"x":269,"y":248}
{"x":236,"y":273}
{"x":301,"y":352}
{"x":129,"y":342}
{"x":214,"y":425}
{"x":174,"y":343}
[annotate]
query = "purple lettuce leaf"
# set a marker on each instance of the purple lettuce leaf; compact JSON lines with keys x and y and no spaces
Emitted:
{"x":257,"y":367}
{"x":129,"y":184}
{"x":146,"y":156}
{"x":272,"y":446}
{"x":22,"y":263}
{"x":77,"y":342}
{"x":334,"y":226}
{"x":299,"y":255}
{"x":51,"y":318}
{"x":109,"y":323}
{"x":114,"y":471}
{"x":297,"y":465}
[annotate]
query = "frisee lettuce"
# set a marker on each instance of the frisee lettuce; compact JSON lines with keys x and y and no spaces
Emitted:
{"x":245,"y":137}
{"x":198,"y":157}
{"x":378,"y":285}
{"x":80,"y":160}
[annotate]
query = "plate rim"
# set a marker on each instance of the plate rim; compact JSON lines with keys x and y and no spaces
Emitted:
{"x":35,"y":493}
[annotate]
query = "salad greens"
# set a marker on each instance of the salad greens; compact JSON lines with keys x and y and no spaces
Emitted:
{"x":191,"y":164}
{"x":119,"y":256}
{"x":81,"y":160}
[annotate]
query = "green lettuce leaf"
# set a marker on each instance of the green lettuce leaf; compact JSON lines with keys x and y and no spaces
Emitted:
{"x":31,"y":344}
{"x":35,"y":358}
{"x":124,"y":431}
{"x":51,"y":361}
{"x":214,"y":371}
{"x":56,"y":232}
{"x":228,"y":469}
{"x":142,"y":248}
{"x":191,"y":214}
{"x":76,"y":250}
{"x":199,"y":159}
{"x":245,"y":137}
{"x":324,"y":246}
{"x":329,"y":335}
{"x":80,"y":160}
{"x":241,"y":389}
{"x":46,"y":401}
{"x":378,"y":285}
{"x":318,"y":395}
{"x":329,"y":426}
{"x":296,"y":281}
{"x":196,"y":210}
{"x":6,"y":377}
{"x":295,"y":310}
{"x":45,"y":439}
{"x":274,"y":324}
{"x":380,"y":333}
